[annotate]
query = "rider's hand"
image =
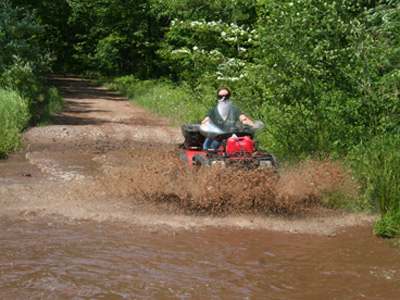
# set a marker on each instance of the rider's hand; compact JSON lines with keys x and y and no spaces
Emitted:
{"x":206,"y":120}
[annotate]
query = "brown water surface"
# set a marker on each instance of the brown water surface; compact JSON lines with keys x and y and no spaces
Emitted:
{"x":57,"y":258}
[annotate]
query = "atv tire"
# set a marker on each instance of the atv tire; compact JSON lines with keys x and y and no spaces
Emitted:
{"x":274,"y":162}
{"x":199,"y":160}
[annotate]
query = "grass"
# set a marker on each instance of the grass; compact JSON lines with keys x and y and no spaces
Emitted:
{"x":377,"y":165}
{"x":14,"y":117}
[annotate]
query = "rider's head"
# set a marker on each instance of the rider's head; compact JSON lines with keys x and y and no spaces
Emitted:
{"x":223,"y":93}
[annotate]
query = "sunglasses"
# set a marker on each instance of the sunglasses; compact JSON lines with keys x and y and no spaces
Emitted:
{"x":222,"y":96}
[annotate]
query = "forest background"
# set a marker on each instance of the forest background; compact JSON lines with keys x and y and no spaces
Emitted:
{"x":323,"y":75}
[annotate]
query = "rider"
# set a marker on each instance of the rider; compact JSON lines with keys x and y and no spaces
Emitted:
{"x":219,"y":116}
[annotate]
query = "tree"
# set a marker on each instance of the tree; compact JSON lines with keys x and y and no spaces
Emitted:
{"x":315,"y":67}
{"x":22,"y":57}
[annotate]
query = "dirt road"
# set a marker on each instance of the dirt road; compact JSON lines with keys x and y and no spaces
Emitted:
{"x":90,"y":164}
{"x":93,"y":122}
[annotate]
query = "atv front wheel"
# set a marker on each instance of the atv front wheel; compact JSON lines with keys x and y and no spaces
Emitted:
{"x":199,"y":160}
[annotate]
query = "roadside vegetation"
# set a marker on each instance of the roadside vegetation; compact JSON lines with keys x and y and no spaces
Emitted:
{"x":162,"y":97}
{"x":24,"y":97}
{"x":323,"y":76}
{"x":14,"y":117}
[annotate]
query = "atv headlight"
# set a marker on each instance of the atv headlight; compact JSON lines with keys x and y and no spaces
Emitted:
{"x":265,"y":164}
{"x":218,"y":162}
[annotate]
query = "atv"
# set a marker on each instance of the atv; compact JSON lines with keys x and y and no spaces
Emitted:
{"x":238,"y":147}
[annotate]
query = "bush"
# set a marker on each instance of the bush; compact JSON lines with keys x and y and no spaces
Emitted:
{"x":52,"y":104}
{"x":377,"y":165}
{"x":389,"y":225}
{"x":23,"y":58}
{"x":14,"y":117}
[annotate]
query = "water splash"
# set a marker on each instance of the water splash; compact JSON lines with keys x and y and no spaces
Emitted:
{"x":159,"y":177}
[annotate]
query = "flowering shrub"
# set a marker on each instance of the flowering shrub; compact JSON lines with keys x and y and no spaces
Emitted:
{"x":212,"y":52}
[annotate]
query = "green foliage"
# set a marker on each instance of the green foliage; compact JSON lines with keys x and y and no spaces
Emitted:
{"x":111,"y":37}
{"x":22,"y":61}
{"x":236,"y":11}
{"x":308,"y":68}
{"x":59,"y":34}
{"x":208,"y":46}
{"x":305,"y":50}
{"x":18,"y":36}
{"x":54,"y":103}
{"x":14,"y":117}
{"x":388,"y":226}
{"x":377,"y":165}
{"x":22,"y":57}
{"x":203,"y":52}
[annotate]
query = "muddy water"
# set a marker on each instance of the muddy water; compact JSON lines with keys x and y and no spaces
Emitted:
{"x":57,"y":258}
{"x":135,"y":228}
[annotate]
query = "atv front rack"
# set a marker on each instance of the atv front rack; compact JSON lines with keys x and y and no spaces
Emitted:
{"x":230,"y":152}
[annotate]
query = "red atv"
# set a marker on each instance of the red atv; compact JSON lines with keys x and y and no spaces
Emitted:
{"x":237,"y":146}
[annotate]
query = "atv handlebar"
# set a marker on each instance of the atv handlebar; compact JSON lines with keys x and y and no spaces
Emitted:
{"x":210,"y":130}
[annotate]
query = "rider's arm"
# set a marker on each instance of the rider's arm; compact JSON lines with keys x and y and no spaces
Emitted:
{"x":206,"y":119}
{"x":245,"y":120}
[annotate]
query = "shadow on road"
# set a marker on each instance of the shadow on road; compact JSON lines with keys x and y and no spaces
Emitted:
{"x":81,"y":102}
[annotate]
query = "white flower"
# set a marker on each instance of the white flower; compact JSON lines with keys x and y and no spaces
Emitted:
{"x":180,"y":51}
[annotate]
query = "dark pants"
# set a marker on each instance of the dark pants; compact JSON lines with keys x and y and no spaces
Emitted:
{"x":211,"y":144}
